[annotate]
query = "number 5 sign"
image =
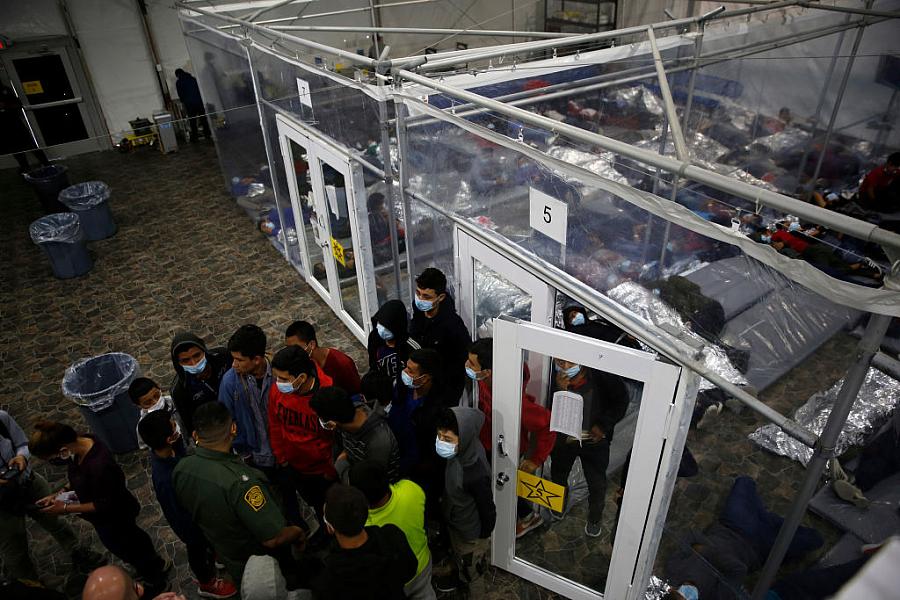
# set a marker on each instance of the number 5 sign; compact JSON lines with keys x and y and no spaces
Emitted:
{"x":548,"y":215}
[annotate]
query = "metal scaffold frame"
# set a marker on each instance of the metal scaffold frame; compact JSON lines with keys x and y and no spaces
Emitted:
{"x":396,"y":74}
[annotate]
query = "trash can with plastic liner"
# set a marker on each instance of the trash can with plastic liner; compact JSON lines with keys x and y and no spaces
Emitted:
{"x":99,"y":386}
{"x":48,"y":181}
{"x":62,"y":239}
{"x":90,"y":200}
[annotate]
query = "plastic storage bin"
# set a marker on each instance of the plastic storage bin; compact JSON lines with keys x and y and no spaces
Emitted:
{"x":62,"y":239}
{"x":99,"y":385}
{"x":48,"y":181}
{"x":91,"y":201}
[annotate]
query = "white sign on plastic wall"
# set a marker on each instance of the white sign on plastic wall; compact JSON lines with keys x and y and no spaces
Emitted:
{"x":548,"y":215}
{"x":303,"y":91}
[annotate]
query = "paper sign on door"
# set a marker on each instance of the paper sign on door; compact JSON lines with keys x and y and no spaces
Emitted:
{"x":567,"y":413}
{"x":540,"y":491}
{"x":32,"y":87}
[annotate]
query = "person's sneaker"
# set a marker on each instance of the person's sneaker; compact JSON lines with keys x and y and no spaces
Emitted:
{"x":216,"y":588}
{"x":529,"y":523}
{"x":593,"y":529}
{"x":85,"y":559}
{"x":849,"y":492}
{"x":709,"y":415}
{"x":446,"y":583}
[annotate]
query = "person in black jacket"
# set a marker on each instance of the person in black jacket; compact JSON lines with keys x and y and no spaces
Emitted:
{"x":100,"y":496}
{"x":189,"y":94}
{"x":365,"y":563}
{"x":436,"y":325}
{"x":605,"y":401}
{"x":389,"y":346}
{"x":198,"y":373}
{"x":575,"y":320}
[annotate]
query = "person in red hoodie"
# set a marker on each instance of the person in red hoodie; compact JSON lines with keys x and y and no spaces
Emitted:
{"x":297,"y":436}
{"x":535,"y":423}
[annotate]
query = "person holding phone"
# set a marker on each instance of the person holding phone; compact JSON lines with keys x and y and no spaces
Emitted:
{"x":97,"y":493}
{"x":20,"y":488}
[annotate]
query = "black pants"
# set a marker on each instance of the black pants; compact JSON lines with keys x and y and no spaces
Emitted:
{"x":312,"y":488}
{"x":880,"y":459}
{"x":284,"y":484}
{"x":594,"y":461}
{"x":201,"y":558}
{"x":129,"y":542}
{"x":195,"y":113}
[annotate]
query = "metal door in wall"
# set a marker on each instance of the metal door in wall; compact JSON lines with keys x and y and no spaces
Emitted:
{"x":327,"y":194}
{"x":56,"y":100}
{"x":593,"y":546}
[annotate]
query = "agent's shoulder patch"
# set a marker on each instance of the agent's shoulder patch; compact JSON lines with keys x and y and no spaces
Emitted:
{"x":255,"y":498}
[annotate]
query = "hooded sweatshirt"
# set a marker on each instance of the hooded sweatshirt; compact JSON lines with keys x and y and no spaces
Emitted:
{"x":446,"y":333}
{"x":468,"y":502}
{"x":383,"y":358}
{"x":377,"y":570}
{"x":188,"y":391}
{"x":374,"y":441}
{"x":295,"y":434}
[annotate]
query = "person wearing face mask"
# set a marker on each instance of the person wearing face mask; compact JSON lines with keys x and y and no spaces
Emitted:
{"x":436,"y":325}
{"x":20,"y":487}
{"x":605,"y":401}
{"x":467,"y":503}
{"x":575,"y":320}
{"x":198,"y":372}
{"x":97,"y":493}
{"x":231,"y":502}
{"x":146,"y":395}
{"x":160,"y":433}
{"x":300,"y":441}
{"x":333,"y":362}
{"x":245,"y":393}
{"x":388,"y":347}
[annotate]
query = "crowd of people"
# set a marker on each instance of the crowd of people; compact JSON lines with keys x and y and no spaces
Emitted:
{"x":291,"y":471}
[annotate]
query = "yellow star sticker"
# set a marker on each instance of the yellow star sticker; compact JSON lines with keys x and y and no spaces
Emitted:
{"x":540,"y":491}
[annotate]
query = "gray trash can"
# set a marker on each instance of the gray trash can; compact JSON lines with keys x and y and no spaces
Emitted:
{"x":48,"y":181}
{"x":91,"y":201}
{"x":61,"y":238}
{"x":99,"y":385}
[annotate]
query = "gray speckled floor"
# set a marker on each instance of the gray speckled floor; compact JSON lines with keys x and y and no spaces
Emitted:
{"x":186,"y":257}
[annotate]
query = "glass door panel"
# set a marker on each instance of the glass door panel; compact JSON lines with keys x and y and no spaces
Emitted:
{"x":303,"y":198}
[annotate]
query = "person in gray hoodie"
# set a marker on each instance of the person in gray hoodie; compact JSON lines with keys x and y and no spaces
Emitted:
{"x":363,"y":433}
{"x":467,"y":504}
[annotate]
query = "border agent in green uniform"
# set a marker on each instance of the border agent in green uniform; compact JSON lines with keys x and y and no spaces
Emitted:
{"x":230,"y":502}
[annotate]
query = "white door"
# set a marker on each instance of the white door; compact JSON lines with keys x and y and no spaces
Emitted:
{"x":328,"y":202}
{"x":559,"y":555}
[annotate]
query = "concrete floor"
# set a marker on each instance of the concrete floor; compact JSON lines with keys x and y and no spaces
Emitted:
{"x":185,"y":257}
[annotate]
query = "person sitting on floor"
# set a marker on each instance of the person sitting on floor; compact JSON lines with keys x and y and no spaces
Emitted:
{"x":879,"y":460}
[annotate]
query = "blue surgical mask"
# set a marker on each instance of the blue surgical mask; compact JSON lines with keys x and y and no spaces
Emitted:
{"x":571,"y":372}
{"x":196,"y":369}
{"x":578,"y":319}
{"x":765,"y":239}
{"x":444,"y":449}
{"x":383,"y":332}
{"x":285,"y":387}
{"x":670,"y":247}
{"x":408,"y":381}
{"x":472,"y":373}
{"x":689,"y":592}
{"x":424,"y":305}
{"x":794,"y":226}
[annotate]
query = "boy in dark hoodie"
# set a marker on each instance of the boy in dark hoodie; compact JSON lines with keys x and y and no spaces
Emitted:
{"x":362,"y":433}
{"x":436,"y":325}
{"x":366,"y":563}
{"x":467,"y":504}
{"x":159,"y":431}
{"x":198,"y":372}
{"x":389,"y":346}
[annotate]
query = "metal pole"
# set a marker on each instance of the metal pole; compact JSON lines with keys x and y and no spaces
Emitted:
{"x":786,"y":204}
{"x":677,"y":136}
{"x":853,"y":11}
{"x":376,"y":29}
{"x":818,"y":114}
{"x":403,"y":152}
{"x":266,"y":9}
{"x":840,"y":97}
{"x":824,"y":448}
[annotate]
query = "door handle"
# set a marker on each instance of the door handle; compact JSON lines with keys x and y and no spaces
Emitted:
{"x":501,"y":450}
{"x":502,"y":479}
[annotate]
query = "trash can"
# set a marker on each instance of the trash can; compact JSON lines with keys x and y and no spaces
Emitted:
{"x":91,"y":201}
{"x":62,"y":239}
{"x":48,"y":181}
{"x":99,"y":386}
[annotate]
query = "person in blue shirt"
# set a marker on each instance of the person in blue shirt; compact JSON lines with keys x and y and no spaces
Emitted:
{"x":159,"y":431}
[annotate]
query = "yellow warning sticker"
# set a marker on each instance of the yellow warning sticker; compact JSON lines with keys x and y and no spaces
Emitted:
{"x":32,"y":87}
{"x":540,"y":491}
{"x":338,"y":251}
{"x":255,"y":498}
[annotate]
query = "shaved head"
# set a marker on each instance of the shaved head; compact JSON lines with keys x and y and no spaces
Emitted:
{"x":110,"y":583}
